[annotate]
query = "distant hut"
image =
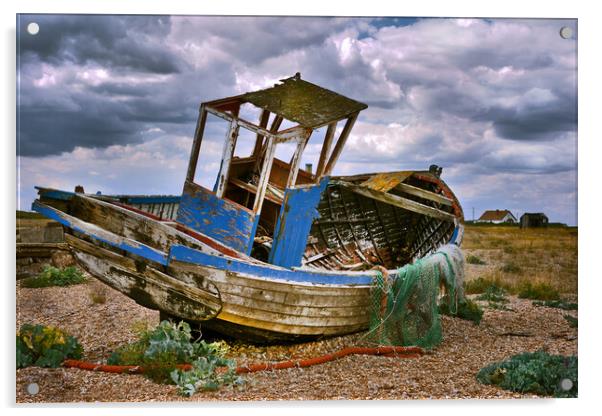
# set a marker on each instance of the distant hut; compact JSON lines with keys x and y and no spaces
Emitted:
{"x":498,"y":216}
{"x":533,"y":219}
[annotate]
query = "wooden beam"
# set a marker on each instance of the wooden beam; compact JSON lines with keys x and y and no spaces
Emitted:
{"x":296,"y":161}
{"x":431,"y":196}
{"x":196,"y":144}
{"x":286,"y":135}
{"x":338,"y":148}
{"x":222,"y":179}
{"x":326,"y":148}
{"x":398,"y":201}
{"x":263,"y":122}
{"x":265,"y":175}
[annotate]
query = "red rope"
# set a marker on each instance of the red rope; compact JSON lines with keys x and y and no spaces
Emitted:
{"x":400,"y":352}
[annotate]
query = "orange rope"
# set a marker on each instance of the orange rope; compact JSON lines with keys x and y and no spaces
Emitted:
{"x":401,"y":352}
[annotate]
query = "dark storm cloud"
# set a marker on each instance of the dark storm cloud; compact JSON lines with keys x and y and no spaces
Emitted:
{"x":114,"y":41}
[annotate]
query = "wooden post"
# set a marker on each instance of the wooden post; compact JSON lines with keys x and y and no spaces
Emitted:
{"x":340,"y":143}
{"x":263,"y":122}
{"x":265,"y":175}
{"x":296,"y":161}
{"x":261,"y":154}
{"x":326,"y":148}
{"x":196,"y":144}
{"x":222,"y":180}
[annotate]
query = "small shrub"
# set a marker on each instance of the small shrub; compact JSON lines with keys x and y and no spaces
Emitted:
{"x":160,"y":350}
{"x":481,"y":284}
{"x":560,"y":304}
{"x":467,"y":310}
{"x":51,"y":276}
{"x":538,"y":372}
{"x":494,"y":293}
{"x":472,"y":259}
{"x":45,"y":346}
{"x":573,"y":322}
{"x":537,"y":291}
{"x":510,"y":268}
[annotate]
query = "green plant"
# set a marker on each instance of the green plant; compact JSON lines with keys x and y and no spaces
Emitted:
{"x":573,"y":322}
{"x":45,"y":346}
{"x":206,"y":374}
{"x":537,"y":291}
{"x":481,"y":284}
{"x":494,"y":293}
{"x":467,"y":310}
{"x":472,"y":259}
{"x":51,"y":276}
{"x":560,"y":304}
{"x":538,"y":372}
{"x":161,"y":349}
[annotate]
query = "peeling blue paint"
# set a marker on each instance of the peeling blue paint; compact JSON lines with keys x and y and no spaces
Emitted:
{"x":167,"y":199}
{"x":133,"y":247}
{"x":218,"y":218}
{"x":189,"y":255}
{"x":298,"y":211}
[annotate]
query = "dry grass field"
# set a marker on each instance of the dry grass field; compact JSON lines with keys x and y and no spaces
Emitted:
{"x":512,"y":257}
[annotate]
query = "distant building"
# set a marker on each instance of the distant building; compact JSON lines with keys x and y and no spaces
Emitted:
{"x":498,"y":217}
{"x":533,"y":219}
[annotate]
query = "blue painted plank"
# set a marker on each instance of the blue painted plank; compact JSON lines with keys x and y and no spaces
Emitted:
{"x":223,"y":220}
{"x":100,"y":234}
{"x":298,"y":211}
{"x":189,"y":255}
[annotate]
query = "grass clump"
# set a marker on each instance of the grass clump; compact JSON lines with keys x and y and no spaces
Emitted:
{"x":52,"y":276}
{"x":472,"y":259}
{"x":45,"y":346}
{"x":161,"y":349}
{"x":537,"y":291}
{"x":495,"y":296}
{"x":467,"y":309}
{"x":538,"y":372}
{"x":481,"y":285}
{"x":560,"y":304}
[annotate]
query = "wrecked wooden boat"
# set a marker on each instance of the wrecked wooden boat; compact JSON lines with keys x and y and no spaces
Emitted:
{"x":272,"y":252}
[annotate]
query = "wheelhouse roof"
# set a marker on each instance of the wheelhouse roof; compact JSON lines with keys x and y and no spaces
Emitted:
{"x":303,"y":102}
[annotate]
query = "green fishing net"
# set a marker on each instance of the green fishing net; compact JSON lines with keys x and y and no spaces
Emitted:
{"x":405,"y":305}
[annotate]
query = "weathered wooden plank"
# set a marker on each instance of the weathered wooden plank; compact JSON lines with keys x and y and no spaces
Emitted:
{"x":431,"y":196}
{"x":338,"y":148}
{"x":285,"y":135}
{"x":287,"y":329}
{"x":398,"y":201}
{"x":196,"y":144}
{"x":253,"y":311}
{"x":264,"y":176}
{"x":295,"y":161}
{"x":219,"y":218}
{"x":332,"y":127}
{"x":260,"y":279}
{"x":100,"y":234}
{"x":263,"y":123}
{"x":148,"y":286}
{"x":228,"y":152}
{"x":294,"y":223}
{"x":39,"y":249}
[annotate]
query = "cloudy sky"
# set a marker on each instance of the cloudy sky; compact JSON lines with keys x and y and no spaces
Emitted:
{"x":110,"y":102}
